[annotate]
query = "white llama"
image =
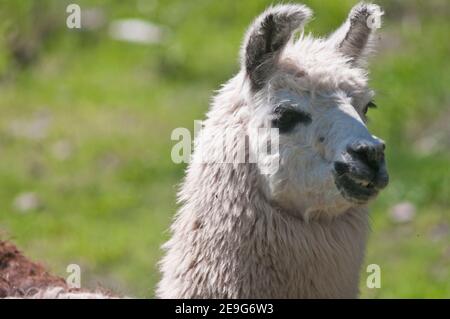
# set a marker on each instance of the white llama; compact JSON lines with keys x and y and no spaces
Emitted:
{"x":300,"y":231}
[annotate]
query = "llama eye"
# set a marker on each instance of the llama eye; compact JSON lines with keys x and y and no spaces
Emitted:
{"x":286,"y":119}
{"x":370,"y":105}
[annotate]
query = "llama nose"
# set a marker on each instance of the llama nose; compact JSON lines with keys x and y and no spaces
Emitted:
{"x":370,"y":153}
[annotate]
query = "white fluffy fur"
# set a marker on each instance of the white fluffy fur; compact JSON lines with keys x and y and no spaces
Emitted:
{"x":290,"y":234}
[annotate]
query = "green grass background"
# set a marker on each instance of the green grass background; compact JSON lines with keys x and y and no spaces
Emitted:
{"x":108,"y":205}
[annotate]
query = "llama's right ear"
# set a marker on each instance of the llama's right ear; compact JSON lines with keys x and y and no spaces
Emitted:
{"x":267,"y":37}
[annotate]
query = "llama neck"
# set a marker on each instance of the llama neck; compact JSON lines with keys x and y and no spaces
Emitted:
{"x":229,"y":242}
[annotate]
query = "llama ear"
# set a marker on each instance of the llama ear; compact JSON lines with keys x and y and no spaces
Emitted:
{"x":267,"y":37}
{"x":355,"y":38}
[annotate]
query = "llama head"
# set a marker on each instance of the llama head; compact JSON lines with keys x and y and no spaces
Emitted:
{"x":315,"y":92}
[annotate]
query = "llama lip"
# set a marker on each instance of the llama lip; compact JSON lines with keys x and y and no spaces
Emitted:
{"x":355,"y":191}
{"x":359,"y":181}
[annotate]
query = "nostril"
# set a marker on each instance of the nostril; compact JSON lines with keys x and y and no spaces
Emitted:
{"x":356,"y":148}
{"x":370,"y":154}
{"x":361,"y":151}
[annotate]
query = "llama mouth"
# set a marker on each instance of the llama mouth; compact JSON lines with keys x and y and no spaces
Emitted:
{"x":355,"y":191}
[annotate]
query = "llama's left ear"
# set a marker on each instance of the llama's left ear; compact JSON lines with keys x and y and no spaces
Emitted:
{"x":356,"y":37}
{"x":267,"y":37}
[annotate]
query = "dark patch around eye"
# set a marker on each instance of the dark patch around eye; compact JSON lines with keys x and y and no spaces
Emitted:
{"x":286,"y":119}
{"x":371,"y":105}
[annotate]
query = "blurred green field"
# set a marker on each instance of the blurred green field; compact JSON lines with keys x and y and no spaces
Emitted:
{"x":85,"y":123}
